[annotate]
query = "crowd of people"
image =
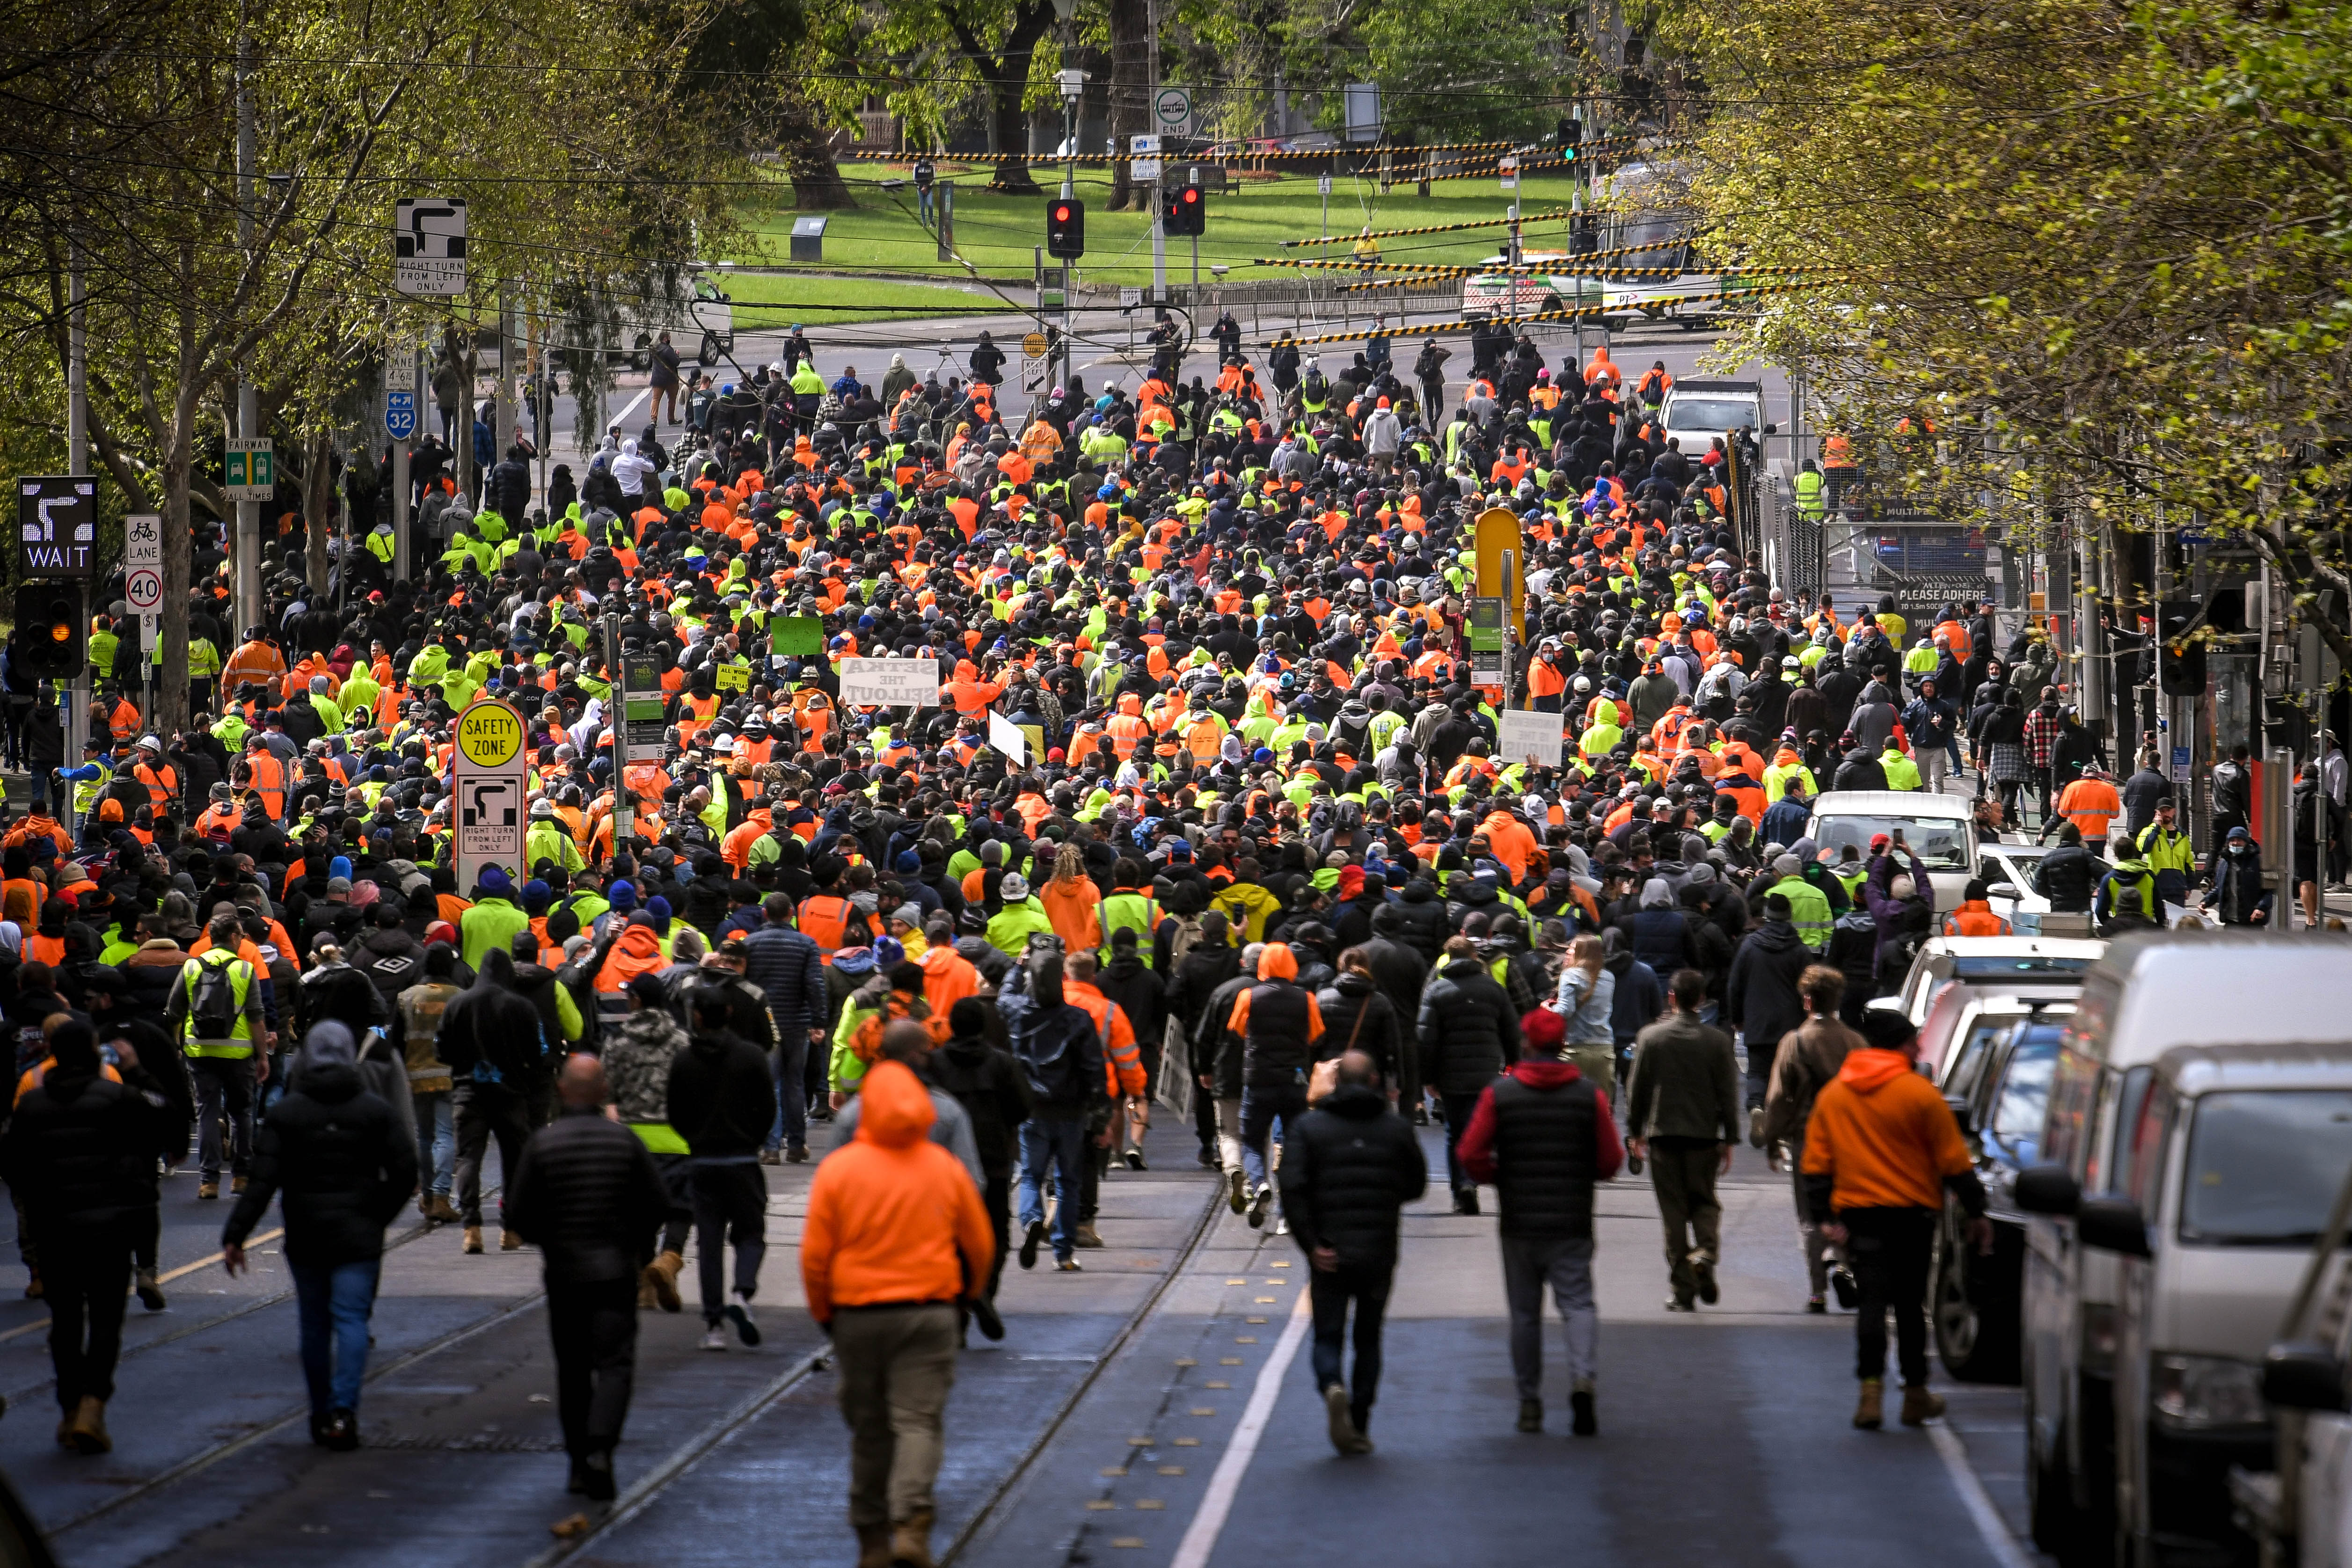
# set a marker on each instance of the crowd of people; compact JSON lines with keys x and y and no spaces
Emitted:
{"x":1260,"y":835}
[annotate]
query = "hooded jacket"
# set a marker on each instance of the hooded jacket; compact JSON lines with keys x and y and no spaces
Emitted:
{"x":1348,"y":1166}
{"x":1760,"y":994}
{"x":1882,"y":1137}
{"x":490,"y":1034}
{"x":722,"y":1097}
{"x":80,"y":1148}
{"x":1278,"y":1022}
{"x":340,"y":1156}
{"x":892,"y":1218}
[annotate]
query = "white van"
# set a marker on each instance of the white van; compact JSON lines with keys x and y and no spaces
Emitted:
{"x":2223,"y":1184}
{"x":1941,"y":830}
{"x":2154,"y":992}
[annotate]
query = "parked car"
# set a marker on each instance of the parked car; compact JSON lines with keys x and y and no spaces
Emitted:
{"x":2301,"y":1511}
{"x":1994,"y":966}
{"x":1963,"y":1018}
{"x":2012,"y":867}
{"x":1999,"y":1087}
{"x":2152,"y":993}
{"x":2223,"y":1181}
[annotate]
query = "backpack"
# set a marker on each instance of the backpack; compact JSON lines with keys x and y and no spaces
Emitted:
{"x":213,"y":1011}
{"x":1187,"y":933}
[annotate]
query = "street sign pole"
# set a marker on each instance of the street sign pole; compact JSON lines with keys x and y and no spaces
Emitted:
{"x":400,"y":424}
{"x":490,"y":775}
{"x":618,"y":718}
{"x":77,"y":715}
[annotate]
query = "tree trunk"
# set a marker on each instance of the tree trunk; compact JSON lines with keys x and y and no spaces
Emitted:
{"x":318,"y":509}
{"x":807,"y":146}
{"x":1130,"y":92}
{"x":1007,"y":75}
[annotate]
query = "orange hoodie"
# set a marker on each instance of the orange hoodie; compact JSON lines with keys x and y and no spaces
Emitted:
{"x":1885,"y":1135}
{"x":893,"y":1219}
{"x":638,"y":952}
{"x":1071,"y":906}
{"x":948,"y":979}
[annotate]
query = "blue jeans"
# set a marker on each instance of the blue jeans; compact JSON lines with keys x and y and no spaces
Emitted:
{"x":335,"y":1301}
{"x":1062,"y":1140}
{"x":437,"y":1140}
{"x":1260,"y":1108}
{"x":791,"y":1062}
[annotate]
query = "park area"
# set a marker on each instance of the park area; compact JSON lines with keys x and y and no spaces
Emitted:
{"x":1000,"y":235}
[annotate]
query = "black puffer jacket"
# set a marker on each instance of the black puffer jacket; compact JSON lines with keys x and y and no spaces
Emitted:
{"x":1759,"y":998}
{"x":1355,"y":1010}
{"x":491,"y":1032}
{"x":81,"y":1151}
{"x":1198,"y":974}
{"x":1347,"y":1166}
{"x":1468,"y":1028}
{"x":722,"y":1097}
{"x":345,"y":1167}
{"x":1425,"y":928}
{"x":587,"y":1195}
{"x":2068,"y":877}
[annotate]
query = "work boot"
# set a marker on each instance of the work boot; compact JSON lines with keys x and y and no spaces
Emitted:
{"x":796,"y":1154}
{"x":772,"y":1156}
{"x":911,"y":1542}
{"x":646,"y":1300}
{"x":508,"y":1241}
{"x":342,"y":1431}
{"x":33,"y":1286}
{"x":1583,"y":1422}
{"x":1919,"y":1405}
{"x":1847,"y":1289}
{"x":1260,"y":1200}
{"x":1087,"y":1235}
{"x":1031,"y":1240}
{"x":442,"y":1211}
{"x":87,"y":1433}
{"x":1341,"y":1422}
{"x":1871,"y":1414}
{"x":984,"y":1314}
{"x":1756,"y":1127}
{"x":597,"y":1481}
{"x":237,"y":1186}
{"x":1466,"y":1201}
{"x":150,"y":1291}
{"x":1237,"y":1190}
{"x":1530,"y":1415}
{"x":662,"y":1274}
{"x":473,"y":1238}
{"x":873,"y":1546}
{"x":208,"y":1190}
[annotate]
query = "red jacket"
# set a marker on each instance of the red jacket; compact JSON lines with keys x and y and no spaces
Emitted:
{"x":1477,"y":1145}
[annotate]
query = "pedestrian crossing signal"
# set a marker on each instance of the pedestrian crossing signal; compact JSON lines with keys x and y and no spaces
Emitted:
{"x":1187,"y":212}
{"x":1065,"y":228}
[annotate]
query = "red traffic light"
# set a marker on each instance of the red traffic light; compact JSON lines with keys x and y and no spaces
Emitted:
{"x":1061,"y":212}
{"x":1190,"y":196}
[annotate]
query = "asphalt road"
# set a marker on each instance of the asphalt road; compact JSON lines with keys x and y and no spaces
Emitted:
{"x":1157,"y":1408}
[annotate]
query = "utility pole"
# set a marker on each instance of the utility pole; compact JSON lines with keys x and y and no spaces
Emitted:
{"x":248,"y":397}
{"x":1159,"y":240}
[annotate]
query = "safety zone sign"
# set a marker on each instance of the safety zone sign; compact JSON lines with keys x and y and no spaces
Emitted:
{"x":489,"y":778}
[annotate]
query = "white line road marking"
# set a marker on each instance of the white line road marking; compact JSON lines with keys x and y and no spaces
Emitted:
{"x":1989,"y":1524}
{"x":1209,"y":1520}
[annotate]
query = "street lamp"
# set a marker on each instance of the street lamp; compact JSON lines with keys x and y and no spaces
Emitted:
{"x":1073,"y":87}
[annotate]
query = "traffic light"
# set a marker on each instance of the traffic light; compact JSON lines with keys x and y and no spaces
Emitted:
{"x":49,"y":645}
{"x":2180,"y":665}
{"x":1571,"y":132}
{"x":1187,"y":212}
{"x":1065,"y":228}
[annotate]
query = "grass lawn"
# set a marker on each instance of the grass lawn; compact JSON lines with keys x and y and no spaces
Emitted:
{"x":999,"y":233}
{"x":765,"y":302}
